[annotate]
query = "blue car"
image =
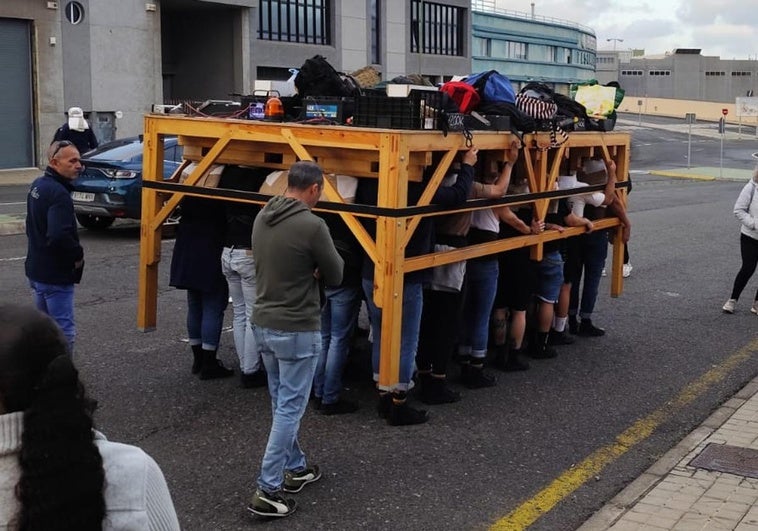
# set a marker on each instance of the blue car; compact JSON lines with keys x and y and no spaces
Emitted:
{"x":110,"y":186}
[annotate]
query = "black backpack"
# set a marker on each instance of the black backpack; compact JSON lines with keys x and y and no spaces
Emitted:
{"x":318,"y":78}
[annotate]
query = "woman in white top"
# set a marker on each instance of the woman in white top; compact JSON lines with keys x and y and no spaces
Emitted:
{"x":56,"y":472}
{"x":746,"y":210}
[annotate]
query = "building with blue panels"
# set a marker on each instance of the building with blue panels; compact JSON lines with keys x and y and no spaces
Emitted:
{"x":528,"y":47}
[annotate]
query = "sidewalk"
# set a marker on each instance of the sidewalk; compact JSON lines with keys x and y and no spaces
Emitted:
{"x":708,"y":481}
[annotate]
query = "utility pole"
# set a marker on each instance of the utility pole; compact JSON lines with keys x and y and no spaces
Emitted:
{"x":614,"y":42}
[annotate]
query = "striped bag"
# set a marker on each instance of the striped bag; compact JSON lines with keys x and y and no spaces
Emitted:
{"x":541,"y":107}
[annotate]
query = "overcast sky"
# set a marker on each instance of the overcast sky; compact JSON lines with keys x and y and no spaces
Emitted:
{"x":724,"y":28}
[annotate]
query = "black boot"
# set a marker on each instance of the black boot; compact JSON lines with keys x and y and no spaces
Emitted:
{"x":434,"y":390}
{"x":474,"y":377}
{"x":508,"y":359}
{"x":212,"y":367}
{"x":539,"y":349}
{"x":573,"y":325}
{"x":384,"y":404}
{"x":197,"y":358}
{"x":401,"y":414}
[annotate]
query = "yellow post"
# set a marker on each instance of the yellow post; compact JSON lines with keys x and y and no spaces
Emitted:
{"x":390,"y":233}
{"x":150,"y":236}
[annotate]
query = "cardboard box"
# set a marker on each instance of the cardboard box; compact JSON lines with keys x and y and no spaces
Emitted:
{"x":276,"y":184}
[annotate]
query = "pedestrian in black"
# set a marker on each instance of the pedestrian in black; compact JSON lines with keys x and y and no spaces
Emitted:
{"x":77,"y":130}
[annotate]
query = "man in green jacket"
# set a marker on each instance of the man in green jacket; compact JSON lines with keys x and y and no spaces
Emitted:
{"x":293,"y":251}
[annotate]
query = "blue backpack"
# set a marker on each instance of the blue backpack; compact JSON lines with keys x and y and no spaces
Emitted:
{"x":492,"y":86}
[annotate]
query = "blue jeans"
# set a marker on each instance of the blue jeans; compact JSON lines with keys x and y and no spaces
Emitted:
{"x":57,"y":300}
{"x":549,"y":276}
{"x":338,"y":317}
{"x":413,"y":300}
{"x":479,"y":296}
{"x":238,"y":266}
{"x":205,"y":317}
{"x":594,"y":251}
{"x":290,"y":359}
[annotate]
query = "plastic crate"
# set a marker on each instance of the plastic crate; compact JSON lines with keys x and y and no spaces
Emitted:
{"x":420,"y":110}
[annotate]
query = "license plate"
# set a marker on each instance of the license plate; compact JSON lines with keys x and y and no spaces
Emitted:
{"x":82,"y":196}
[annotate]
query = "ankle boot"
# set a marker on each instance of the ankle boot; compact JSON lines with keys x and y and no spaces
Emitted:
{"x":401,"y":414}
{"x":434,"y":391}
{"x":514,"y":362}
{"x":212,"y":367}
{"x":197,"y":358}
{"x":474,"y":377}
{"x":539,"y":349}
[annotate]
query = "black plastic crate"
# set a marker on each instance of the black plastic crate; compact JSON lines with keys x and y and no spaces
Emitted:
{"x":422,"y":109}
{"x":471,"y":122}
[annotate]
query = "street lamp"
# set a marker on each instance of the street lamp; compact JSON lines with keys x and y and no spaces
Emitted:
{"x":614,"y":42}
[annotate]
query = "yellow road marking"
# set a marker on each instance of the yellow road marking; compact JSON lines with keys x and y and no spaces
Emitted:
{"x":528,"y":512}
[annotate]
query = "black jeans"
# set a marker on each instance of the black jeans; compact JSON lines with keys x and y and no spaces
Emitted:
{"x":749,"y":252}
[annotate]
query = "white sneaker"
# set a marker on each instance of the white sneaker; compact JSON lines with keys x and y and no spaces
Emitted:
{"x":729,"y":306}
{"x":627,"y":270}
{"x":603,"y":273}
{"x":754,"y":308}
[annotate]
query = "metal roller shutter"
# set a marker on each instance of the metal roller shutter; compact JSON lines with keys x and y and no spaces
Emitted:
{"x":16,"y":119}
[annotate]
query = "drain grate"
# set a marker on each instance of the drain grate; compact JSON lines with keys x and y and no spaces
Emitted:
{"x":731,"y":459}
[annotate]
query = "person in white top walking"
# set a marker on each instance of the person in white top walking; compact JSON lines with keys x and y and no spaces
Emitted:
{"x":746,"y":210}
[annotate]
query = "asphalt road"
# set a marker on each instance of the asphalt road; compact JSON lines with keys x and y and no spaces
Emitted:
{"x":478,"y":460}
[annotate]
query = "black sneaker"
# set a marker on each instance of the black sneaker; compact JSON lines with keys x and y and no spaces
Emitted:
{"x":559,"y":338}
{"x":254,"y":379}
{"x":271,"y":504}
{"x":340,"y":407}
{"x":295,"y":481}
{"x":586,"y":328}
{"x":475,"y":377}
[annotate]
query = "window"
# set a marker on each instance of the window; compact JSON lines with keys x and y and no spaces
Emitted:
{"x":631,"y":72}
{"x":376,"y":43}
{"x":659,"y":73}
{"x":516,"y":50}
{"x":306,"y":21}
{"x":709,"y":74}
{"x":482,"y":47}
{"x":436,"y":28}
{"x":74,"y":12}
{"x":737,"y":73}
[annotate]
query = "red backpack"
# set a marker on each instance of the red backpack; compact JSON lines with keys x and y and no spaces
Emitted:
{"x":462,"y":94}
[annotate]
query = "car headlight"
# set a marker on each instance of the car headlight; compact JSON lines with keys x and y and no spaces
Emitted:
{"x":121,"y":174}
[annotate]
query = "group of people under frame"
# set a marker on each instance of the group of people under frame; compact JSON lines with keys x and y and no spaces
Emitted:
{"x":474,"y":312}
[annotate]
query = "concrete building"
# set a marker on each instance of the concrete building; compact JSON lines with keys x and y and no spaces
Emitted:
{"x":684,"y":74}
{"x":115,"y":58}
{"x":530,"y":47}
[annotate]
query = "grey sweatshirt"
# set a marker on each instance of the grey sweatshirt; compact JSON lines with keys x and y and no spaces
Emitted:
{"x":746,"y":209}
{"x":289,"y":244}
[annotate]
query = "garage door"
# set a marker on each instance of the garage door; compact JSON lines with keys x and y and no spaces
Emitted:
{"x":16,"y":131}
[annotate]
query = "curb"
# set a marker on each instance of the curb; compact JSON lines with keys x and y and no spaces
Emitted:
{"x":625,"y":500}
{"x":697,"y":176}
{"x":9,"y":228}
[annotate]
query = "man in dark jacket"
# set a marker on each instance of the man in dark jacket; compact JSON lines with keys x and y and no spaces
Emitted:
{"x":54,"y":258}
{"x":293,"y":251}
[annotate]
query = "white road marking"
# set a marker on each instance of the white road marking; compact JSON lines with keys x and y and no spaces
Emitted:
{"x":14,"y":259}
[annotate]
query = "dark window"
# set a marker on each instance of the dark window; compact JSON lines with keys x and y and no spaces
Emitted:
{"x":376,"y":43}
{"x":306,"y":21}
{"x":436,"y":28}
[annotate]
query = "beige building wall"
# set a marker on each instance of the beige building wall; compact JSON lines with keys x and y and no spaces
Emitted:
{"x":704,"y":110}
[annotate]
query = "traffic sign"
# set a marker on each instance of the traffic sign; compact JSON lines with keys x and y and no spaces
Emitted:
{"x":724,"y":111}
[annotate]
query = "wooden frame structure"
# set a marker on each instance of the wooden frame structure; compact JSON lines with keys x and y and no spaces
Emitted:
{"x":394,"y":157}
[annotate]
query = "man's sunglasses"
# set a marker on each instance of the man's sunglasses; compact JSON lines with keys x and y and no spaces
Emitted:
{"x":62,"y":144}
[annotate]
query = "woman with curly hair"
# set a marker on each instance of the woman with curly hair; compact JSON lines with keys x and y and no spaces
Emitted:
{"x":56,"y":471}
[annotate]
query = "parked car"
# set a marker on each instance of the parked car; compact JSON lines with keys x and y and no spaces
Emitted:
{"x":110,"y":186}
